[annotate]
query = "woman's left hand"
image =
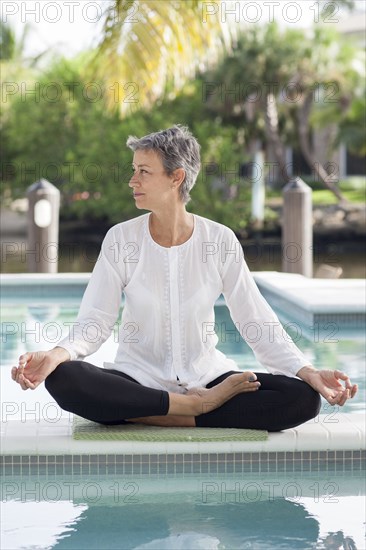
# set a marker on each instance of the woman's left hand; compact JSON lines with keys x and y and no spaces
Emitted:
{"x":328,"y":384}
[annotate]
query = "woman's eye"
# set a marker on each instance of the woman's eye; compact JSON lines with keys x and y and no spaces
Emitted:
{"x":142,"y":171}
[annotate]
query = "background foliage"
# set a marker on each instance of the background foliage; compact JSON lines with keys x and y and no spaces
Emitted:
{"x":70,"y":132}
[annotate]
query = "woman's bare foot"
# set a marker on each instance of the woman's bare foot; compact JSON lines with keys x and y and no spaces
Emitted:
{"x":209,"y":399}
{"x":184,"y":408}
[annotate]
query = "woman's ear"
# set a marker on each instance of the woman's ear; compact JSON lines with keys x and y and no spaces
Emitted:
{"x":178,"y":176}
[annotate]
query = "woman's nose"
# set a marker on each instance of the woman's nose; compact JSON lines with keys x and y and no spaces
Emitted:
{"x":134,"y":180}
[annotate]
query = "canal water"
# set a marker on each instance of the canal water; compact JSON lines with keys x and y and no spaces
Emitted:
{"x":79,"y":257}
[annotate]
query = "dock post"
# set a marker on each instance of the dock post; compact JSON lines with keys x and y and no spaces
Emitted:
{"x":297,"y":228}
{"x":43,"y":225}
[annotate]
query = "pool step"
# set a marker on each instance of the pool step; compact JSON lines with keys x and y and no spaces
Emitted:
{"x":315,"y":302}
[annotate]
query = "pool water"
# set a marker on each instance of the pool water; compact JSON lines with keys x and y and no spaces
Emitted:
{"x":209,"y":513}
{"x":31,"y":327}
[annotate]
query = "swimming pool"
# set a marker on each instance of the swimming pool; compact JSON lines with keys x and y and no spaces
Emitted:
{"x":302,"y":511}
{"x":39,"y":325}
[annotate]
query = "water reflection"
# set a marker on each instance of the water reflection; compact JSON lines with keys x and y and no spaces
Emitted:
{"x":177,"y":514}
{"x":37,"y":525}
{"x":29,"y":328}
{"x":187,"y":525}
{"x":184,"y":525}
{"x":43,"y":313}
{"x":337,"y":541}
{"x":266,"y":256}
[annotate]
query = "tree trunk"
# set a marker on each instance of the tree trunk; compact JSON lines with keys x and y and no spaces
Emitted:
{"x":273,"y":135}
{"x":310,"y":156}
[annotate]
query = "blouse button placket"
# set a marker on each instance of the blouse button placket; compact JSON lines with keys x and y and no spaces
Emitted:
{"x":168,"y":337}
{"x":173,"y":255}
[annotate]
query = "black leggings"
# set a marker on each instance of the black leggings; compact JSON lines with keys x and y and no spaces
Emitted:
{"x":110,"y":396}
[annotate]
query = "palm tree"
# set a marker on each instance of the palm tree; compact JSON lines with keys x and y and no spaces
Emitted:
{"x":329,"y":72}
{"x":149,"y":47}
{"x":281,"y":76}
{"x":154,"y":46}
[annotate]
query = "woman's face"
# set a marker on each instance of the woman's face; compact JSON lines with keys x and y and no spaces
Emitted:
{"x":152,"y":187}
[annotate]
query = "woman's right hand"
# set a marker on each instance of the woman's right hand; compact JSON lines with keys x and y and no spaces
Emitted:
{"x":34,"y":367}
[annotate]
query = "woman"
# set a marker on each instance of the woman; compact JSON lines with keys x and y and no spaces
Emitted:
{"x":171,"y":266}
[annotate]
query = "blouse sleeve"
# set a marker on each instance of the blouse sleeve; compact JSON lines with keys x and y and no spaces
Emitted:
{"x":100,"y":305}
{"x":257,"y":323}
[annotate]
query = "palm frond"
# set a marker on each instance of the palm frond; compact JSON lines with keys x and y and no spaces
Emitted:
{"x":155,"y":43}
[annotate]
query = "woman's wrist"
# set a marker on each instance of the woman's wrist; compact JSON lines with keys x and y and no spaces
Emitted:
{"x":305,"y":372}
{"x":59,"y":354}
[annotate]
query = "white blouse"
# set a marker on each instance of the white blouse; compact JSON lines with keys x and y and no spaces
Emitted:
{"x":167,"y":337}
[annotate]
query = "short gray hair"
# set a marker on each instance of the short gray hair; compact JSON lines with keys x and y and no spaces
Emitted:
{"x":177,"y":148}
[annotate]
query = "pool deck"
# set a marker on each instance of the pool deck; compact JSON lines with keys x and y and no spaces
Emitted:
{"x":329,"y":443}
{"x":327,"y":432}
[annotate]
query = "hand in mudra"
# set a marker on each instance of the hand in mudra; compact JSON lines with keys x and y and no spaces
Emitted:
{"x":329,"y":384}
{"x":34,"y":367}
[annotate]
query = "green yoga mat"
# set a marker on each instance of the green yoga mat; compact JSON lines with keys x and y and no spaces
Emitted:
{"x":89,"y":431}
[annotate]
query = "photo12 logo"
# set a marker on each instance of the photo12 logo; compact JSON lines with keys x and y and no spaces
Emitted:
{"x":89,"y":492}
{"x":70,"y":11}
{"x":70,"y":92}
{"x":267,"y":12}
